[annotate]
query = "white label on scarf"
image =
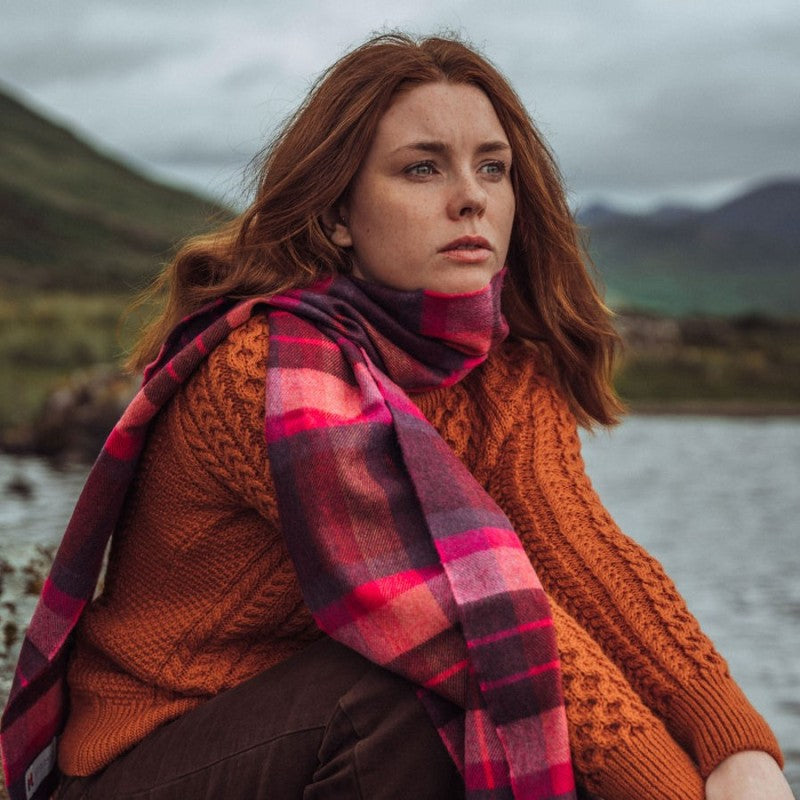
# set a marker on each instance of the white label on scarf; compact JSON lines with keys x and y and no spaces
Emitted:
{"x":41,"y":767}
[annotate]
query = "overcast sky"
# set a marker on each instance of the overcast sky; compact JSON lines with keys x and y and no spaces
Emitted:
{"x":643,"y":101}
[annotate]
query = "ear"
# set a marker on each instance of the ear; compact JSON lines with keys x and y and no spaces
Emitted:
{"x":334,"y":221}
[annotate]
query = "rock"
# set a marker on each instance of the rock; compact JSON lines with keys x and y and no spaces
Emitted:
{"x":20,"y":584}
{"x":19,"y":486}
{"x":77,"y":416}
{"x":643,"y":332}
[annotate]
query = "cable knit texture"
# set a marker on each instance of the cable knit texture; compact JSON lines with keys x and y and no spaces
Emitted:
{"x":200,"y":593}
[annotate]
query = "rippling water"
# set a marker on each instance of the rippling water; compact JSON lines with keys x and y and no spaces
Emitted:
{"x":40,"y":516}
{"x":716,"y":500}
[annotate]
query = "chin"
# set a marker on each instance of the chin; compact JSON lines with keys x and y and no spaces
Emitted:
{"x":462,"y":281}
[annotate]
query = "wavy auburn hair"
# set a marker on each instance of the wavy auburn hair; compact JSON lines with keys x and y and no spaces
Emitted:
{"x":280,"y":242}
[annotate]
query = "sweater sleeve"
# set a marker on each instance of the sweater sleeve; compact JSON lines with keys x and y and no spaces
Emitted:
{"x":620,"y":748}
{"x":614,"y":590}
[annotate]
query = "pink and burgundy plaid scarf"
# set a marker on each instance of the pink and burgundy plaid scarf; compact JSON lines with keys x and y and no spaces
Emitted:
{"x":401,"y":555}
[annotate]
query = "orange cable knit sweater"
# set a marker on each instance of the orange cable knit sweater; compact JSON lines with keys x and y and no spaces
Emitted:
{"x":201,"y":594}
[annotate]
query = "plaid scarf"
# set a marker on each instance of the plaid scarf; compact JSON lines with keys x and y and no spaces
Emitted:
{"x":401,"y":555}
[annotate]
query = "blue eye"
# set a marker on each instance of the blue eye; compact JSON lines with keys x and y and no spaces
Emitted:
{"x":495,"y":168}
{"x":422,"y":170}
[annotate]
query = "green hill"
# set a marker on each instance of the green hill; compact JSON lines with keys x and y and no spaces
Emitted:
{"x":739,"y":258}
{"x":73,"y":218}
{"x":80,"y":233}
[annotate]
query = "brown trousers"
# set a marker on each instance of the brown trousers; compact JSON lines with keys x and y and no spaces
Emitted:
{"x":326,"y":723}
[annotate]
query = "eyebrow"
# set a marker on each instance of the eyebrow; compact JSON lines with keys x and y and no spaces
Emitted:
{"x":440,"y":148}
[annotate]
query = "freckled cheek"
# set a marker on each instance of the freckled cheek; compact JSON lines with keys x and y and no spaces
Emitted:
{"x":505,"y":220}
{"x":424,"y":215}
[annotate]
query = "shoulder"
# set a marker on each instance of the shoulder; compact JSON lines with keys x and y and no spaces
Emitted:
{"x":244,"y":351}
{"x":223,"y":402}
{"x":516,"y":390}
{"x":515,"y":373}
{"x":232,"y":378}
{"x":509,"y":392}
{"x":234,"y":372}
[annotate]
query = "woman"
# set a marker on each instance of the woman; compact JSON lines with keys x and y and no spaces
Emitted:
{"x":417,"y":477}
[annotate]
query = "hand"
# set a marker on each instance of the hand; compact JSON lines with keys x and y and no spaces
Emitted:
{"x":749,"y":775}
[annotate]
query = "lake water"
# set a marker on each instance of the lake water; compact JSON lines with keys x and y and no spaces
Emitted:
{"x":716,"y":500}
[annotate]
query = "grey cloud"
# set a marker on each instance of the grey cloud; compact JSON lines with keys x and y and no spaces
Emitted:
{"x":73,"y":63}
{"x":634,"y":95}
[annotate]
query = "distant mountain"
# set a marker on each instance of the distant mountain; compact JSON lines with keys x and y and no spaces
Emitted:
{"x":741,"y":257}
{"x":73,"y":218}
{"x":769,"y":212}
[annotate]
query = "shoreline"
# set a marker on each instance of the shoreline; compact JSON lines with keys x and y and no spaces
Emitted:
{"x":712,"y":408}
{"x":16,"y":442}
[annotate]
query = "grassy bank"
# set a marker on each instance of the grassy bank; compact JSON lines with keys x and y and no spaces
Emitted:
{"x":46,"y":336}
{"x":740,"y":365}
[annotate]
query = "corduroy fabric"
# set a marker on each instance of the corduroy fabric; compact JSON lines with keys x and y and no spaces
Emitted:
{"x":216,"y":599}
{"x":322,"y":724}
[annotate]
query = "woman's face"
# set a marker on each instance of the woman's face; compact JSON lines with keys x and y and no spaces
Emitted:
{"x":432,"y":206}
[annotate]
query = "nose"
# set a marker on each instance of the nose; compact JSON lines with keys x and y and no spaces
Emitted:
{"x":468,"y":197}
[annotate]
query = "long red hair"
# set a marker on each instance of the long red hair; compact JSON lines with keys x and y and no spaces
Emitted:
{"x":279,"y":242}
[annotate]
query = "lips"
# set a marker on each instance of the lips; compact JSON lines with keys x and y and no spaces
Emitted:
{"x":467,"y":243}
{"x":468,"y":250}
